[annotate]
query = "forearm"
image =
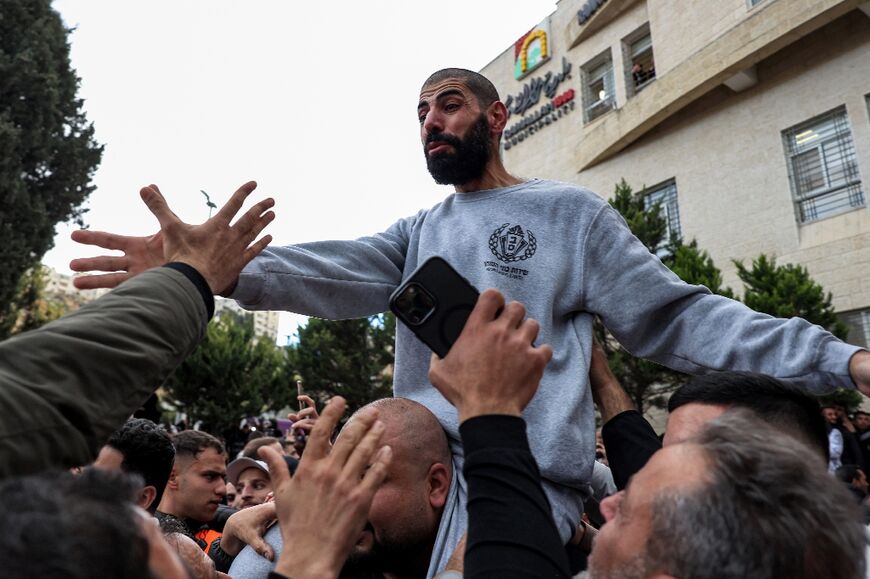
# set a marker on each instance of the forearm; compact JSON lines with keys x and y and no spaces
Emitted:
{"x":611,"y":399}
{"x":657,"y":316}
{"x":511,"y":532}
{"x":328,"y":279}
{"x":68,"y":385}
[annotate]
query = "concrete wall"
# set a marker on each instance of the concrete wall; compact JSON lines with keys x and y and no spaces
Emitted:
{"x":727,"y":156}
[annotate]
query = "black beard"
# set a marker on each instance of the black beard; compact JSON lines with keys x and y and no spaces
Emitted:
{"x":409,"y":559}
{"x":469,"y":157}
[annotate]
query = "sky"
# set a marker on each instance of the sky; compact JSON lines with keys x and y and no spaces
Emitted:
{"x":316,"y":101}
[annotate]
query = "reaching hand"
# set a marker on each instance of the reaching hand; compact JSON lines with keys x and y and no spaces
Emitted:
{"x":140,"y":253}
{"x":493,"y":368}
{"x":216,"y":249}
{"x":323,"y":507}
{"x":247,"y":527}
{"x":306,"y":418}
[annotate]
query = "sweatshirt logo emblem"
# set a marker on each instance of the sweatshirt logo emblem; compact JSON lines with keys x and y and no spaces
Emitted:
{"x":512,"y":243}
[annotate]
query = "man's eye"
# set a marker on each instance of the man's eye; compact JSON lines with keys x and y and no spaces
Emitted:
{"x":451,"y":107}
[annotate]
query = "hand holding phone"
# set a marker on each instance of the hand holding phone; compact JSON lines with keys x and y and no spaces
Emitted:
{"x":434,"y":303}
{"x":495,"y":367}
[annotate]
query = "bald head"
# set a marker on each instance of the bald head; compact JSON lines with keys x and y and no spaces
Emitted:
{"x":479,"y":85}
{"x":412,"y":431}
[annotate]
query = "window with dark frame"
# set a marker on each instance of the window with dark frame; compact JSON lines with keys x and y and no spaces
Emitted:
{"x":823,"y":168}
{"x":640,"y":62}
{"x":858,"y":323}
{"x":598,"y":91}
{"x":665,"y":195}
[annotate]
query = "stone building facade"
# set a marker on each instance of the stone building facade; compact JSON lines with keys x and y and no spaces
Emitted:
{"x":749,"y":120}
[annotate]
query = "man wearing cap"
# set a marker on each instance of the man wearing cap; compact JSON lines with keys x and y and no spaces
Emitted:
{"x":251,"y":479}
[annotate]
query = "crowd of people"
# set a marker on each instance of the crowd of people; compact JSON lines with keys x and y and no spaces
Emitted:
{"x":486,"y":462}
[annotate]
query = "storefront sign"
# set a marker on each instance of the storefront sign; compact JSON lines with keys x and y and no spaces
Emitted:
{"x":532,"y":49}
{"x":530,"y":94}
{"x":541,"y":118}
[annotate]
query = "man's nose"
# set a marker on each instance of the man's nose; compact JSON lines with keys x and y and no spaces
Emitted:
{"x":432,"y":123}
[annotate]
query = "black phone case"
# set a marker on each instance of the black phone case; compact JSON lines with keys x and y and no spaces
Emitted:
{"x":454,"y":299}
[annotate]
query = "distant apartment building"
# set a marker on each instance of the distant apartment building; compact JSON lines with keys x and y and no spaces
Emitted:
{"x":265,"y":322}
{"x":60,"y":285}
{"x":749,"y":120}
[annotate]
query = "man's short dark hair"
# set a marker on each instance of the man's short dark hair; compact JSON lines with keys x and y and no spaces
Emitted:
{"x":59,"y":525}
{"x":775,"y":403}
{"x":250,"y":450}
{"x":761,"y":510}
{"x":479,"y":85}
{"x":147,"y":451}
{"x":189,"y":443}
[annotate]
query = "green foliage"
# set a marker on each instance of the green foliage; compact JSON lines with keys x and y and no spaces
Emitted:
{"x":695,"y":266}
{"x":350,"y":358}
{"x":47,"y":148}
{"x":649,"y":226}
{"x":846,"y":397}
{"x":33,"y":308}
{"x":785,"y":291}
{"x":231,"y":375}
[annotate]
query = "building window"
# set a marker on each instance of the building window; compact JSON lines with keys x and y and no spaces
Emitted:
{"x":639,"y":61}
{"x":665,"y":195}
{"x":823,"y":170}
{"x":598,"y":93}
{"x":755,"y":2}
{"x":858,"y":323}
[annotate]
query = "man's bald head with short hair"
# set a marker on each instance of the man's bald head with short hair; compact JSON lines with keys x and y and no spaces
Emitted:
{"x":413,"y":432}
{"x":480,"y":86}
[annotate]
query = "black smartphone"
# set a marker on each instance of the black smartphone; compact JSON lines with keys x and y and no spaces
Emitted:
{"x":434,"y":302}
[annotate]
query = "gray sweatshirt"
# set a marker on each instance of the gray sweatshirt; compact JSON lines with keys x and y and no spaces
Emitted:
{"x":565,"y":254}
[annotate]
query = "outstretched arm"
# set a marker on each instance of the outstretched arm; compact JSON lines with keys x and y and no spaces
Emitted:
{"x":65,"y":387}
{"x":656,"y":315}
{"x":143,"y":253}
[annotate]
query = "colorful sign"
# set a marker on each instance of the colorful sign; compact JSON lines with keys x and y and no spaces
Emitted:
{"x":532,"y":50}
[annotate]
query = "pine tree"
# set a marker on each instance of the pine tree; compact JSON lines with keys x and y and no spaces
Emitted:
{"x":785,"y":291}
{"x":350,"y":358}
{"x":230,"y":376}
{"x":47,"y":149}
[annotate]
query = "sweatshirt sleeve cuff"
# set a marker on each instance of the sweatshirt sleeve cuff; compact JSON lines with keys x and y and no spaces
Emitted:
{"x":197,"y":280}
{"x":834,"y":362}
{"x":493,"y":431}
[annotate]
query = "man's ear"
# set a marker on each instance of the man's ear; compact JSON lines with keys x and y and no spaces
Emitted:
{"x":172,"y":483}
{"x":147,"y":496}
{"x":497,"y":115}
{"x":439,"y":485}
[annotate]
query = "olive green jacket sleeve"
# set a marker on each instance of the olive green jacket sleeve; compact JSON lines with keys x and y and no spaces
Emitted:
{"x":65,"y":387}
